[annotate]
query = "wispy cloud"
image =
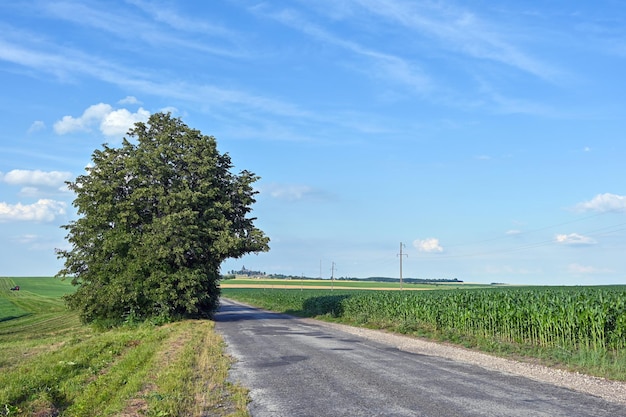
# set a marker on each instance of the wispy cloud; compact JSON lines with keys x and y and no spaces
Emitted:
{"x":585,"y":269}
{"x":160,"y":27}
{"x":382,"y":65}
{"x":67,"y":64}
{"x":460,"y":34}
{"x":172,"y":18}
{"x":294,"y":192}
{"x":36,"y":126}
{"x":129,"y":100}
{"x":574,"y":239}
{"x":459,"y":30}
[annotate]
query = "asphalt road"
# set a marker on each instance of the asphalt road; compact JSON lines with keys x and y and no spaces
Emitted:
{"x":295,"y":367}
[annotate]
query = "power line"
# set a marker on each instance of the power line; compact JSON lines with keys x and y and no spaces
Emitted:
{"x":604,"y":231}
{"x":527,"y":232}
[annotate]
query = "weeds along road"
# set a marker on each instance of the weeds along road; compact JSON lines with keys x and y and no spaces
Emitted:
{"x":295,"y":367}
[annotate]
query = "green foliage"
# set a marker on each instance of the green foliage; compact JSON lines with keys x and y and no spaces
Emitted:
{"x":157,"y":220}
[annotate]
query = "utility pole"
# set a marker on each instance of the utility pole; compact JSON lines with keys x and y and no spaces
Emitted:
{"x":332,"y":277}
{"x":401,"y":255}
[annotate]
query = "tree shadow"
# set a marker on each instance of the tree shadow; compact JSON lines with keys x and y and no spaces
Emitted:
{"x":311,"y":307}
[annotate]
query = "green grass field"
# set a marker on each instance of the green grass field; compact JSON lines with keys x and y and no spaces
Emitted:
{"x":52,"y":365}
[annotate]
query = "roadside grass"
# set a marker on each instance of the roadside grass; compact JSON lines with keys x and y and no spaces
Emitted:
{"x":327,"y":305}
{"x":52,"y":365}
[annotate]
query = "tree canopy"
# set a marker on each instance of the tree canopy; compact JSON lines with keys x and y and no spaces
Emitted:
{"x":157,"y":217}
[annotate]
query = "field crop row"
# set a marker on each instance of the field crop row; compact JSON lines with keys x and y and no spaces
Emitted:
{"x":590,"y":318}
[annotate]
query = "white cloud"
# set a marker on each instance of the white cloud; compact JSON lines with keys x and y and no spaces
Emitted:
{"x":513,"y":232}
{"x":54,"y":179}
{"x":111,"y":122}
{"x":129,"y":100}
{"x":92,"y":115}
{"x":575,"y":239}
{"x":36,"y":126}
{"x":43,"y":210}
{"x":428,"y":245}
{"x":117,"y":122}
{"x":603,"y":203}
{"x":582,"y":269}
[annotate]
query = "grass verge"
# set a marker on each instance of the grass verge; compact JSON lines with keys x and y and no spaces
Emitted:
{"x":51,"y":365}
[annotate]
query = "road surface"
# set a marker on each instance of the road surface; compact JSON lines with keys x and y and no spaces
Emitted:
{"x":295,"y":367}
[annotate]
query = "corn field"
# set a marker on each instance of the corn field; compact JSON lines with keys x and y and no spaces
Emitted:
{"x":591,"y":318}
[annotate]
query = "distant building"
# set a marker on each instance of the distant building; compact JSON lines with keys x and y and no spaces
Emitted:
{"x":247,"y":272}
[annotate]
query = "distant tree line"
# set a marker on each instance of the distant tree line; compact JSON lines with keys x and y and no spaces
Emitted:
{"x":232,"y":274}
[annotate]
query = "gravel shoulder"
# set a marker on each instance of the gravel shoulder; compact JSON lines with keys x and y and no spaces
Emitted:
{"x":613,"y":391}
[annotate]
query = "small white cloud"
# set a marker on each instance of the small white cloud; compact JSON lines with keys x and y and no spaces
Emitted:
{"x":582,"y":269}
{"x":575,"y":239}
{"x":54,"y":179}
{"x":587,"y":149}
{"x":111,"y":122}
{"x":129,"y":100}
{"x":513,"y":232}
{"x":483,"y":157}
{"x":429,"y":245}
{"x":43,"y":210}
{"x":36,"y":126}
{"x":603,"y":203}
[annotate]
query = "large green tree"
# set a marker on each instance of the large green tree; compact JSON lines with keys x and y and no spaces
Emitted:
{"x":157,"y":217}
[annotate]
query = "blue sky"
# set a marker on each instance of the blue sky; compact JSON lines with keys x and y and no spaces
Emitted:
{"x":489,"y":138}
